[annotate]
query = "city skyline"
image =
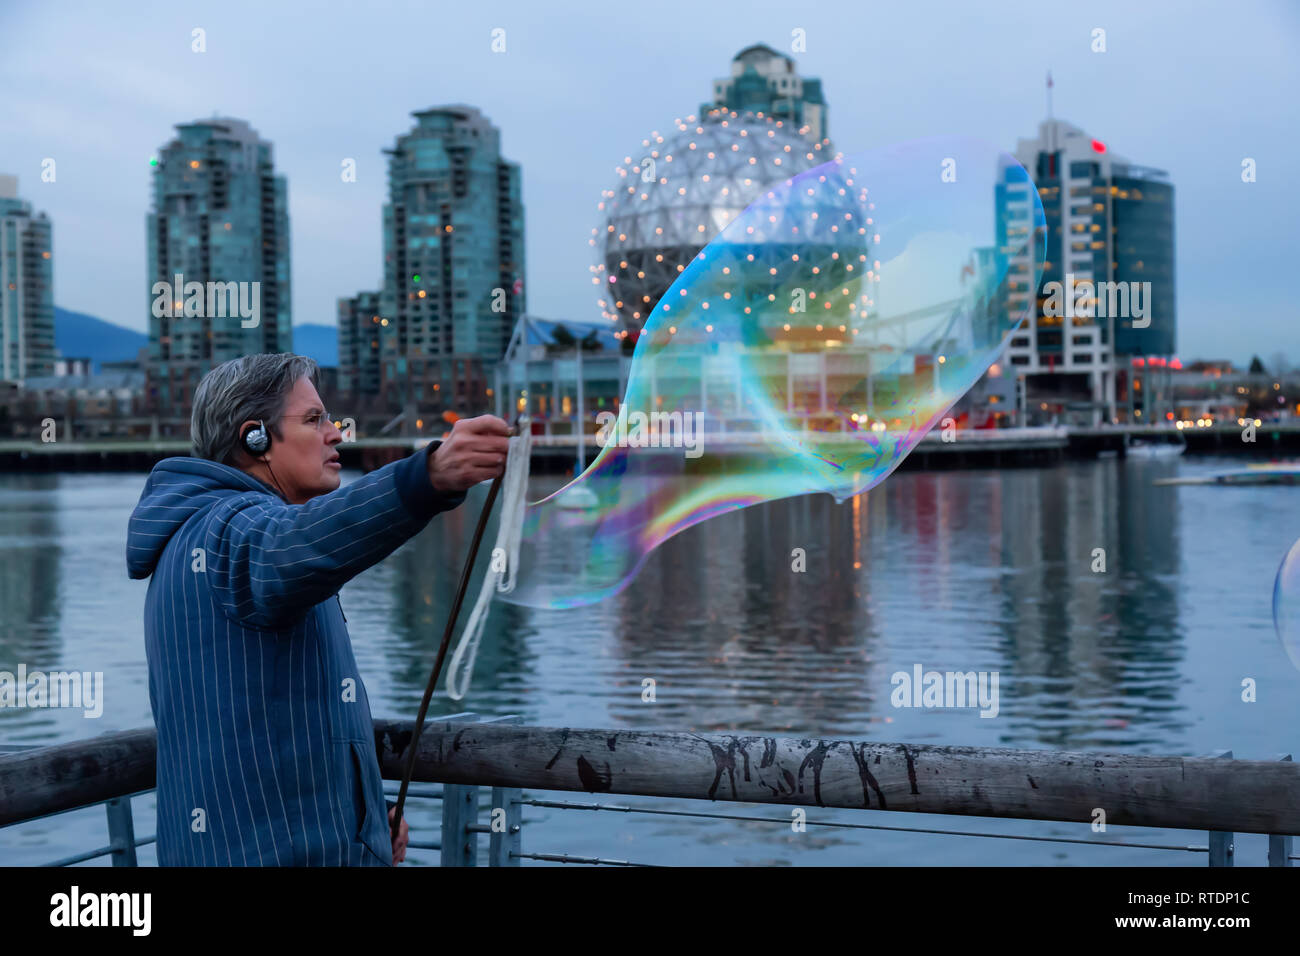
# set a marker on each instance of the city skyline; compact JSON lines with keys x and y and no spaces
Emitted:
{"x":103,"y":136}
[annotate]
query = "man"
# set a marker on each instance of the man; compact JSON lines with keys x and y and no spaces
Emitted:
{"x":266,"y":751}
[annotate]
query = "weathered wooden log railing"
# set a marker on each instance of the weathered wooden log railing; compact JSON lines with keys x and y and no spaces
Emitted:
{"x":1190,"y":793}
{"x":37,"y":783}
{"x":1213,"y":793}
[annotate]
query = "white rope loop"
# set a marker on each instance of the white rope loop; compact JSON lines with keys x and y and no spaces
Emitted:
{"x":514,"y":499}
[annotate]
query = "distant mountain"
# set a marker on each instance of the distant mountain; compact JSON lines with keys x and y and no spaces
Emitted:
{"x":320,"y":342}
{"x":77,"y":335}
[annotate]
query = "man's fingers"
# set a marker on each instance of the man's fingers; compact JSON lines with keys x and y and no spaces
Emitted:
{"x":483,"y":425}
{"x":471,"y":442}
{"x":399,"y":845}
{"x":491,"y":425}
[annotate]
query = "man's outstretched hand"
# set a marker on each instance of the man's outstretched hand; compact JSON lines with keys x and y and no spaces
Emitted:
{"x":474,"y":451}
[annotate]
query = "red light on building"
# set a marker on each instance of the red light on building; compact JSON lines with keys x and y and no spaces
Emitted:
{"x":1176,"y":363}
{"x":1139,"y":363}
{"x":1098,"y":146}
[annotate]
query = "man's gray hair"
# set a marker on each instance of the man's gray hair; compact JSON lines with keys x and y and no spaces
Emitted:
{"x":251,"y":387}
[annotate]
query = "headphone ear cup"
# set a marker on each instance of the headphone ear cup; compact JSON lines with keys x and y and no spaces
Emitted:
{"x":256,"y":440}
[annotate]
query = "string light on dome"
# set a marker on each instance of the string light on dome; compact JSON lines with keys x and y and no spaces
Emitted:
{"x":643,"y":220}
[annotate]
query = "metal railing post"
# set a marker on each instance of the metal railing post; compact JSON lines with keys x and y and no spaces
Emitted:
{"x":459,"y":845}
{"x":505,"y":842}
{"x":460,"y":827}
{"x":1279,"y":844}
{"x":121,"y":831}
{"x":1221,"y":842}
{"x":459,"y":813}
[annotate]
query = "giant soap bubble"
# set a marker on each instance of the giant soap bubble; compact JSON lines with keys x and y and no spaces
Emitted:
{"x":807,"y":348}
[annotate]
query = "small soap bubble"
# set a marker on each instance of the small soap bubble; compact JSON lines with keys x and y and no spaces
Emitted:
{"x":1286,"y":604}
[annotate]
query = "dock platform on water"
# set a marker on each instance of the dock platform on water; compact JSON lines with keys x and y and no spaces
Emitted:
{"x":1273,"y":473}
{"x":556,"y":453}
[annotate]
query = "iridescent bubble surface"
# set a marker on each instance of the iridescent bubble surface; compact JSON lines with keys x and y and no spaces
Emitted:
{"x":1286,"y":604}
{"x":807,"y":348}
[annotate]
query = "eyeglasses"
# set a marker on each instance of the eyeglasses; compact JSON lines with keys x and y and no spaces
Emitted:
{"x":318,"y":419}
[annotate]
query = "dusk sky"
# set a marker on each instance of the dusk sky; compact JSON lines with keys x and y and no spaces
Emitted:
{"x":1191,"y":88}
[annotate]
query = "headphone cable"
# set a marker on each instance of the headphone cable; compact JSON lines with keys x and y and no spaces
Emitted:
{"x":266,"y":461}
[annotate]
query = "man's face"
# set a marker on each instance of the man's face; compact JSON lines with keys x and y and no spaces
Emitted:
{"x":303,"y":461}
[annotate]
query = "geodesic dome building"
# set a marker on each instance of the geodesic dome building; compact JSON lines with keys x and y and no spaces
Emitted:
{"x":683,"y":189}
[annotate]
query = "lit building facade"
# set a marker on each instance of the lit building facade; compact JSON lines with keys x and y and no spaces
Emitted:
{"x":539,"y":375}
{"x":1110,"y":229}
{"x":453,"y":285}
{"x":26,"y":288}
{"x":220,"y":218}
{"x":358,"y":329}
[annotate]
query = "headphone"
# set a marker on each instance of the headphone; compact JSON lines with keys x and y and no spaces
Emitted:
{"x":256,"y":441}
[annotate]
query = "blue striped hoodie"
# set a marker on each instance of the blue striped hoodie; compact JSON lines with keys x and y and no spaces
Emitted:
{"x":266,"y":751}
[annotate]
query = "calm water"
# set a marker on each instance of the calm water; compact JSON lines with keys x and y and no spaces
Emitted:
{"x":969,"y":570}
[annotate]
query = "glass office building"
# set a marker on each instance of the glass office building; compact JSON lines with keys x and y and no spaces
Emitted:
{"x":1142,"y":202}
{"x":1106,"y":303}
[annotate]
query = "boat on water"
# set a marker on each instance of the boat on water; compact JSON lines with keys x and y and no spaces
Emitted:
{"x":1147,"y":448}
{"x":1271,"y":473}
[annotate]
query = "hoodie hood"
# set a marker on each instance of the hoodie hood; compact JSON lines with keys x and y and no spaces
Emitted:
{"x":176,"y":490}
